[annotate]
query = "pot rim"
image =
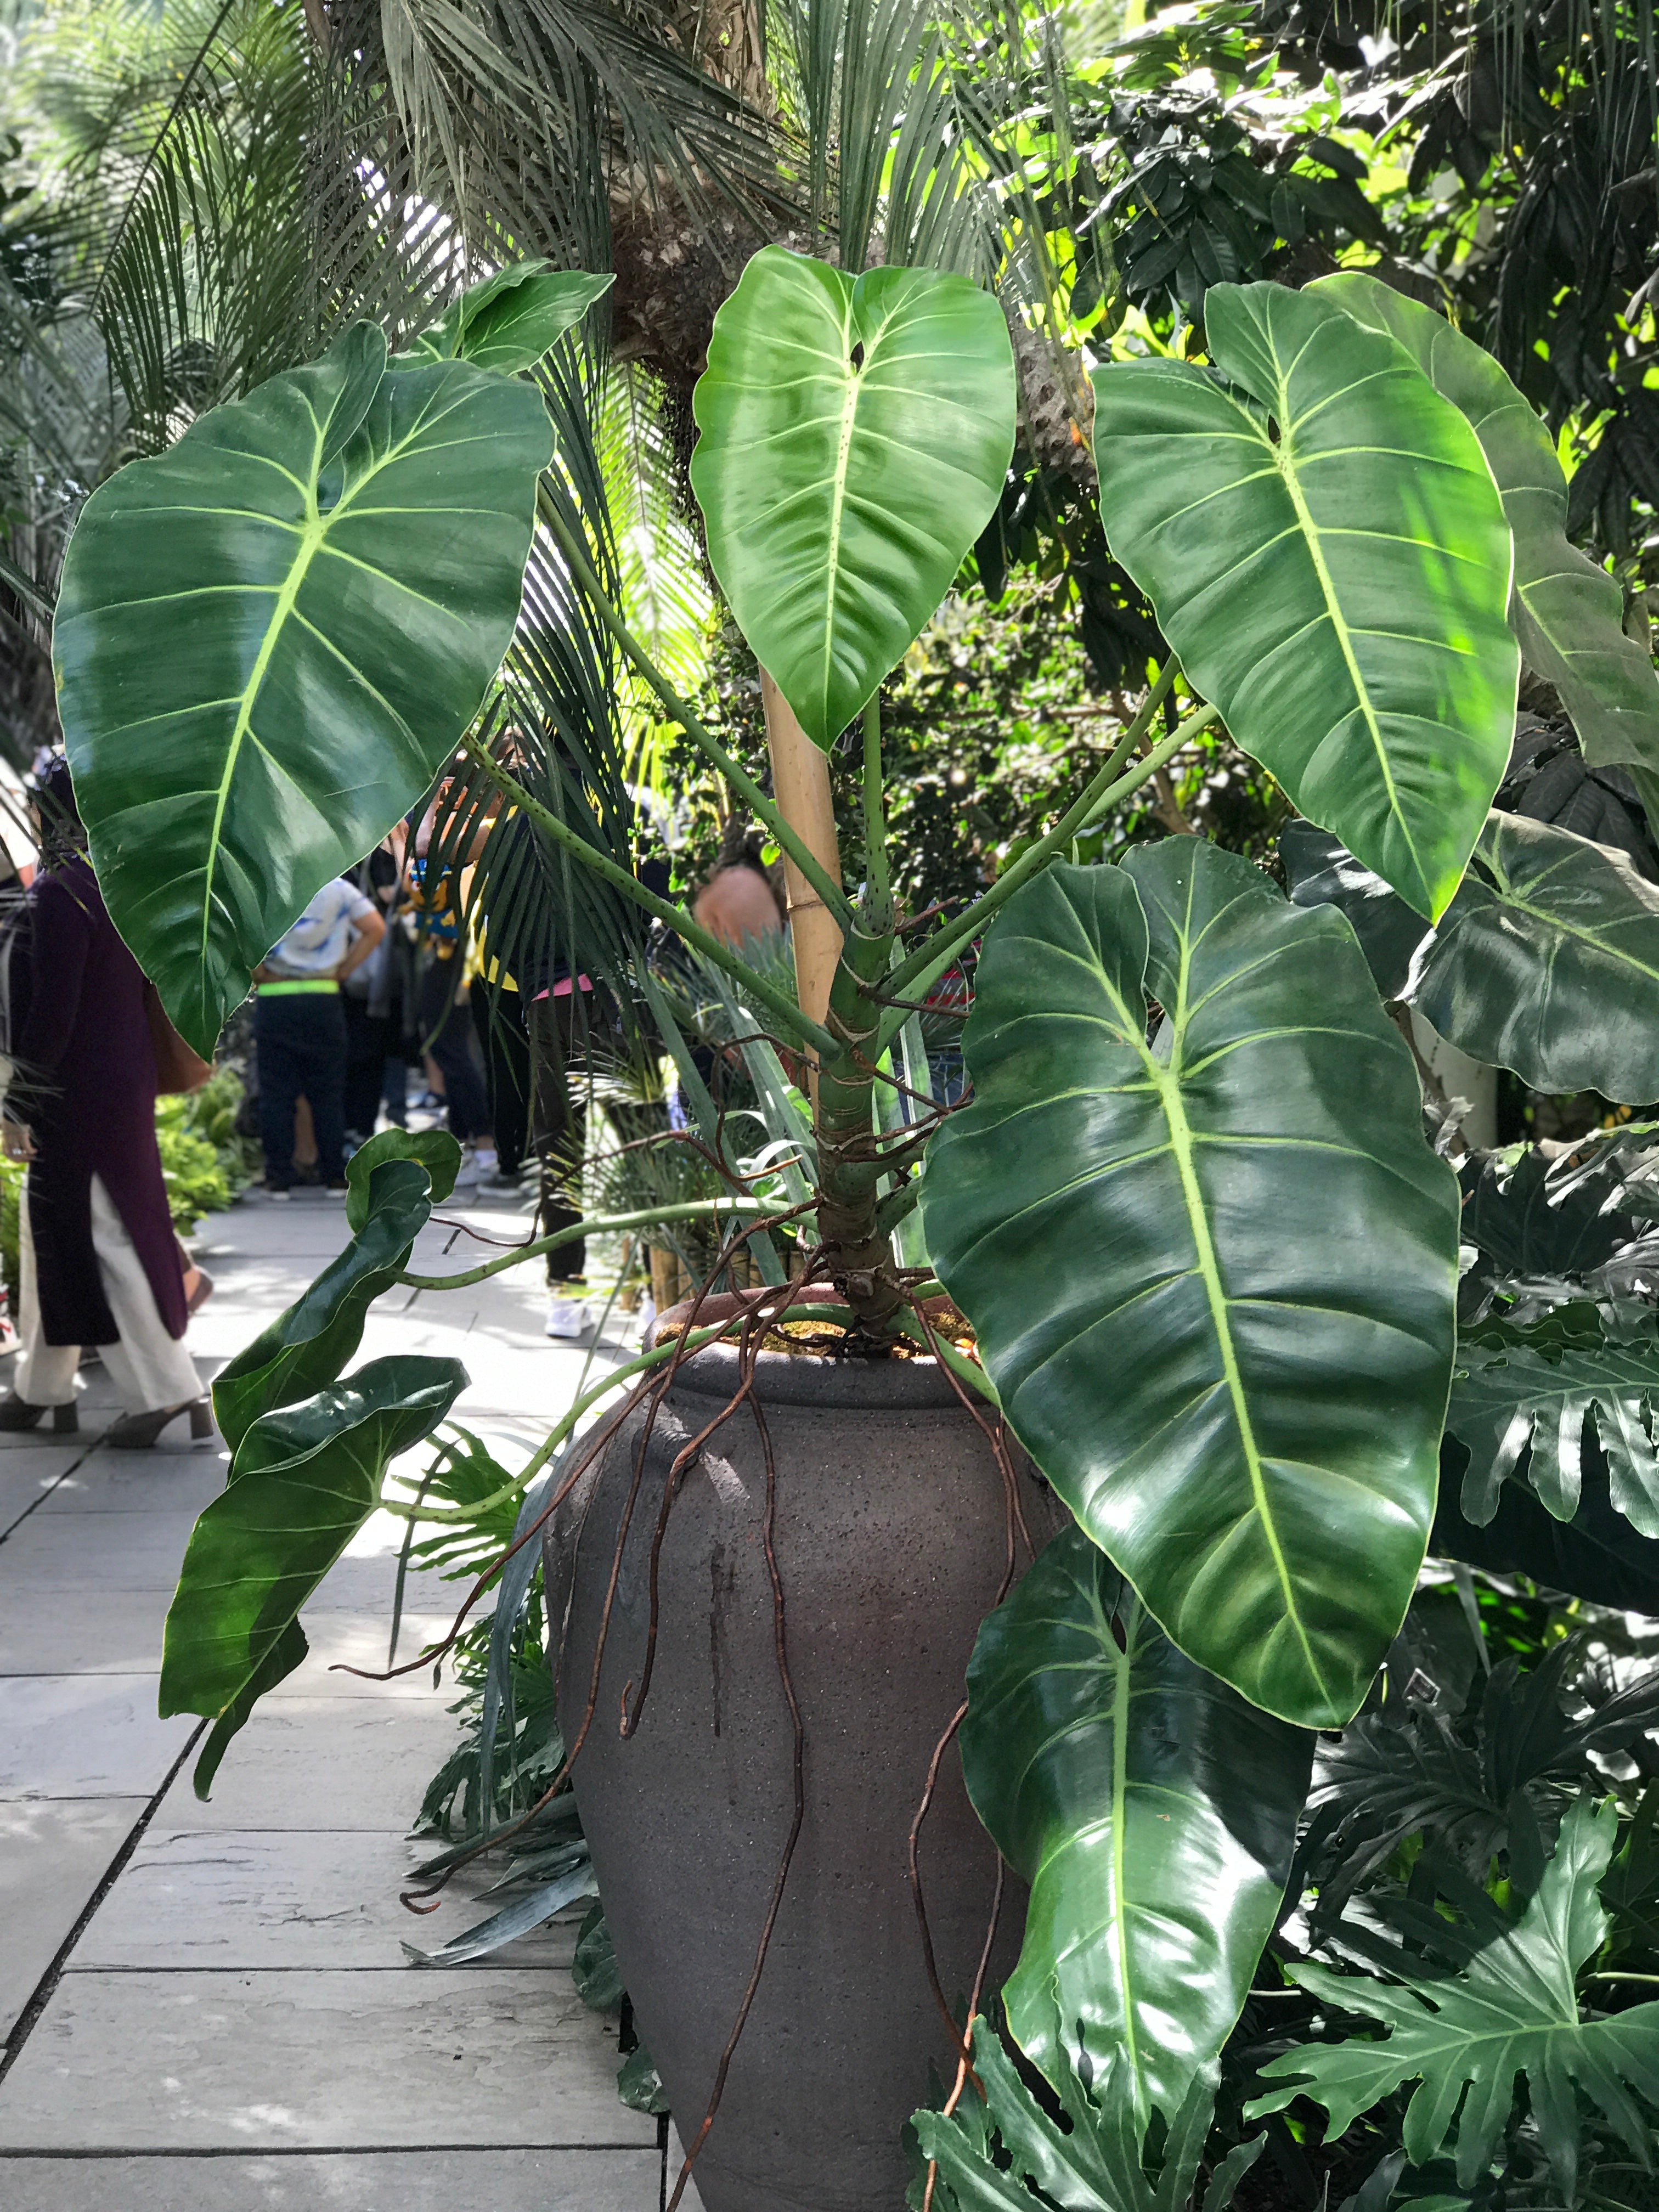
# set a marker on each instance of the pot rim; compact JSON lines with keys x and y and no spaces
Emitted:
{"x":808,"y":1378}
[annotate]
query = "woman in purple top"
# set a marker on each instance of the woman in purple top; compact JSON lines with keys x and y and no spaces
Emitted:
{"x":100,"y":1264}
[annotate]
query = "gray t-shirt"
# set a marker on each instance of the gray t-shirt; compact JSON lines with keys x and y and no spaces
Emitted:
{"x":321,"y":938}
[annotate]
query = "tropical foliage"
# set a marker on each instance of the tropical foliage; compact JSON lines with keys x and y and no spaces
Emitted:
{"x":1272,"y":1334}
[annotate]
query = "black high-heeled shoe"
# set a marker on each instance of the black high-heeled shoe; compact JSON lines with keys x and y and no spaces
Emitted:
{"x":135,"y":1431}
{"x":17,"y":1412}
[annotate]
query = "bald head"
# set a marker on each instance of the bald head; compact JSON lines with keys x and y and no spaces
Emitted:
{"x":737,"y":905}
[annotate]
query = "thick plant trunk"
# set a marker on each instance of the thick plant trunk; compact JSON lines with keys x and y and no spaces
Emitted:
{"x":801,"y":784}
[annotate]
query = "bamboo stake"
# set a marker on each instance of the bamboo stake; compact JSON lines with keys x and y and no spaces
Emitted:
{"x":800,"y":784}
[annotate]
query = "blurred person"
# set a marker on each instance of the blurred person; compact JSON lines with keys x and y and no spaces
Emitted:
{"x":740,"y":905}
{"x":299,"y":1030}
{"x":100,"y":1264}
{"x":443,"y":1003}
{"x":372,"y":1000}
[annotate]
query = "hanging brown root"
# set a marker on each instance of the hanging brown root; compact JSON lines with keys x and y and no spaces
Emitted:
{"x":769,"y":1532}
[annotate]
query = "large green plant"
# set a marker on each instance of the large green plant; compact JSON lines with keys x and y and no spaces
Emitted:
{"x":1208,"y":1256}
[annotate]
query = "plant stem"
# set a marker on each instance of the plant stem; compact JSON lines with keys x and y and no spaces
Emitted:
{"x":878,"y":887}
{"x":1075,"y":818}
{"x":558,"y":1432}
{"x":599,"y":1225}
{"x":970,"y":1370}
{"x":803,"y":1031}
{"x":706,"y":741}
{"x":924,"y":967}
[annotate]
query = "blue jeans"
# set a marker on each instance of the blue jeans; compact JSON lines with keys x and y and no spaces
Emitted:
{"x":301,"y":1044}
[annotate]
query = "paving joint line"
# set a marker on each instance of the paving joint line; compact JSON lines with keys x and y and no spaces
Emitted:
{"x":84,"y":1453}
{"x":29,"y":2017}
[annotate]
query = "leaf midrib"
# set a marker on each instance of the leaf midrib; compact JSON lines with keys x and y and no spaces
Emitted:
{"x":1285,"y":461}
{"x":1168,"y":1078}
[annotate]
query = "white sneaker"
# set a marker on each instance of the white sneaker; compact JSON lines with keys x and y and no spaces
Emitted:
{"x":466,"y":1175}
{"x":647,"y":1320}
{"x":484,"y":1160}
{"x":567,"y":1317}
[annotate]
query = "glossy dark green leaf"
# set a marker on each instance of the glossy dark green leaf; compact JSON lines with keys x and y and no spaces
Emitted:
{"x":1152,"y":1810}
{"x":1519,"y":1400}
{"x":1328,"y":555}
{"x":1547,"y":960}
{"x":1320,"y":870}
{"x":1568,"y":613}
{"x":270,"y":638}
{"x":306,"y":1346}
{"x":1212,"y":1275}
{"x":1548,"y":963}
{"x":509,"y":321}
{"x":1513,"y":2009}
{"x":855,"y":434}
{"x":304,"y":1482}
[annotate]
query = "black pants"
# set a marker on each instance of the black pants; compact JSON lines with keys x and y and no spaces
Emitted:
{"x":369,"y":1040}
{"x":301,"y":1043}
{"x":446,"y":1025}
{"x":558,"y":1122}
{"x":508,"y":1066}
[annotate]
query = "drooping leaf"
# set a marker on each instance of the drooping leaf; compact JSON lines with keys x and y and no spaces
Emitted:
{"x":1547,"y":960}
{"x":270,"y":638}
{"x":304,"y":1482}
{"x":307,"y":1347}
{"x":1630,"y":1889}
{"x":1517,"y":1399}
{"x":1245,"y":1419}
{"x":639,"y":2085}
{"x":1320,"y":870}
{"x":438,"y":1153}
{"x":1521,"y":1217}
{"x":1568,"y":613}
{"x":1328,"y":555}
{"x":1462,"y":1776}
{"x":593,"y":1966}
{"x":1597,"y":1555}
{"x":509,"y":321}
{"x":521,"y":1918}
{"x":1152,"y":1811}
{"x":1094,"y":2163}
{"x":1549,"y":963}
{"x":854,"y":435}
{"x":1512,"y":2009}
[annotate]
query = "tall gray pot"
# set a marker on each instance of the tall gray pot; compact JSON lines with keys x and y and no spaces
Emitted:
{"x":890,"y":1545}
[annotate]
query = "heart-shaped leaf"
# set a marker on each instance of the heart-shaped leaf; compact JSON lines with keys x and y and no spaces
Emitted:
{"x":304,"y":1480}
{"x":1328,"y":553}
{"x":855,"y":434}
{"x":509,"y":321}
{"x":1155,"y":1241}
{"x":1568,"y":613}
{"x":307,"y":1347}
{"x":270,"y":638}
{"x":1152,"y":1811}
{"x":1545,"y":962}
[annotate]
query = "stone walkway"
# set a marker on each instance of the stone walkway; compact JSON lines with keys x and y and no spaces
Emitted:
{"x":205,"y":2007}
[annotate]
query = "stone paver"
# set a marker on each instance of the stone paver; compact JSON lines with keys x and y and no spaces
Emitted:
{"x":395,"y":2181}
{"x":232,"y":2024}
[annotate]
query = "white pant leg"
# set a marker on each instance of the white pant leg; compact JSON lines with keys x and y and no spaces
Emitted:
{"x":149,"y":1368}
{"x":45,"y":1372}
